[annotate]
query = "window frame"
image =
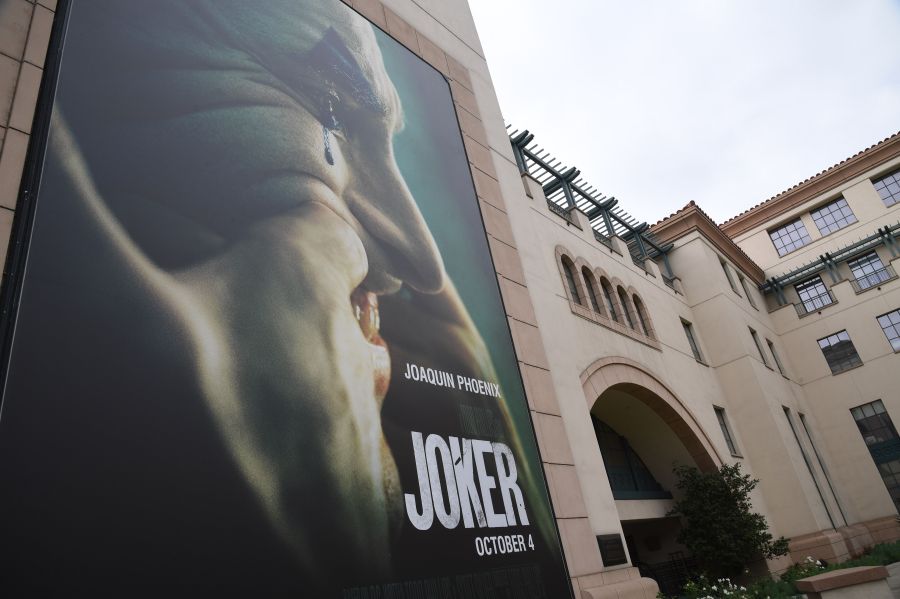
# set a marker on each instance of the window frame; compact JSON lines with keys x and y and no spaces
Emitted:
{"x":692,"y":341}
{"x":623,"y":301}
{"x":569,"y":271}
{"x":607,"y":291}
{"x":798,"y":226}
{"x":814,"y":281}
{"x":894,"y":326}
{"x":730,"y":442}
{"x":893,"y":197}
{"x":776,"y":358}
{"x":591,"y":291}
{"x":747,"y":293}
{"x":819,"y":216}
{"x":728,"y":276}
{"x":862,"y":280}
{"x":844,"y":363}
{"x":759,"y":347}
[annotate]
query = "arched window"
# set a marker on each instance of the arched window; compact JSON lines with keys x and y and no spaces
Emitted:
{"x":569,"y":270}
{"x":623,"y":299}
{"x":608,"y":299}
{"x":643,"y":316}
{"x":591,"y":283}
{"x":627,"y":474}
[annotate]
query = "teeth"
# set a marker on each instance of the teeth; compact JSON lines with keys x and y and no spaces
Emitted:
{"x":365,"y":308}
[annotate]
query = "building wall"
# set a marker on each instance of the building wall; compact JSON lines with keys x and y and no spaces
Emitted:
{"x":853,"y":472}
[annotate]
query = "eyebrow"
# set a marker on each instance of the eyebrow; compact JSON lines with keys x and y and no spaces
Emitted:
{"x":334,"y":61}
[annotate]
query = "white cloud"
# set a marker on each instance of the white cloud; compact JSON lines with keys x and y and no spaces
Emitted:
{"x":724,"y":103}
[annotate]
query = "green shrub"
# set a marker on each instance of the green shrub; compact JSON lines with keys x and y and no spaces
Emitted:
{"x":720,"y":529}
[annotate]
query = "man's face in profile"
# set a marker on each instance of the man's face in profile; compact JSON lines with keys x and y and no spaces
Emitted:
{"x":270,"y":141}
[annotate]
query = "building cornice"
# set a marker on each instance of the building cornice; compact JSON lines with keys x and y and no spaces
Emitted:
{"x":832,"y":177}
{"x":691,"y":218}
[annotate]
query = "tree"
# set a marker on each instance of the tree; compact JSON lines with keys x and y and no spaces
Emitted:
{"x":720,"y":529}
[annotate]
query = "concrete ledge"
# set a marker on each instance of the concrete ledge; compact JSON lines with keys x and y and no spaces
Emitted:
{"x":828,"y":545}
{"x":884,"y":530}
{"x":838,"y":579}
{"x":638,"y":588}
{"x":857,"y":538}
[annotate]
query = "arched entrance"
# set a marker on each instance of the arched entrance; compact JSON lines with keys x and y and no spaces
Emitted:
{"x":642,"y":431}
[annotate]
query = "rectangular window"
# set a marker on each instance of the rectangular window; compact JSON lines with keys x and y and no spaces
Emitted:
{"x":831,"y":217}
{"x":775,"y":356}
{"x":689,"y":333}
{"x":813,"y":294}
{"x":728,"y":275}
{"x":874,"y":423}
{"x":789,"y":237}
{"x":878,"y":432}
{"x":759,"y":347}
{"x":890,"y":324}
{"x":888,"y":187}
{"x":839,"y":352}
{"x":747,"y":291}
{"x":868,"y":271}
{"x":726,"y":431}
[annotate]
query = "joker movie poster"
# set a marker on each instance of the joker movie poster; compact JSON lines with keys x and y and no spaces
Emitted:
{"x":260,"y":348}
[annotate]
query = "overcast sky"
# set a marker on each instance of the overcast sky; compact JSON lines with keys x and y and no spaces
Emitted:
{"x":726,"y":103}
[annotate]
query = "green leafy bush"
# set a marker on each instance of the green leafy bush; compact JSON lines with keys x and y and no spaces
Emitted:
{"x":720,"y":529}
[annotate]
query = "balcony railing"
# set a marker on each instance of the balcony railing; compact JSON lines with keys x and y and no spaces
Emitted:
{"x":814,"y":303}
{"x":602,"y":238}
{"x":554,"y":207}
{"x":873,"y":279}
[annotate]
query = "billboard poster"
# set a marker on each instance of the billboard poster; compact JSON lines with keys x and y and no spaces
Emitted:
{"x":259,"y":347}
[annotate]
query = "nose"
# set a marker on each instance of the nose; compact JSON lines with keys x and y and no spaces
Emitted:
{"x":398,"y":242}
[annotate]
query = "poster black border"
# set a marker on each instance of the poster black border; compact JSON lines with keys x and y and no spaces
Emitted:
{"x":26,"y":204}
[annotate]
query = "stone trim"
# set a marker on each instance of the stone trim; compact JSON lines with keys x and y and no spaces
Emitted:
{"x":691,"y":218}
{"x":839,"y":579}
{"x":585,"y":310}
{"x":608,"y":372}
{"x":869,"y":159}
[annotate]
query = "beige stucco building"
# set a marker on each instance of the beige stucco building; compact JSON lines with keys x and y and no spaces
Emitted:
{"x":685,"y":342}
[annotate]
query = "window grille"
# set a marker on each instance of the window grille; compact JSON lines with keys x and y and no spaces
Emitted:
{"x":831,"y":217}
{"x":790,"y":237}
{"x":888,"y":187}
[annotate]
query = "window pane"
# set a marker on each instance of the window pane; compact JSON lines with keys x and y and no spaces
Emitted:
{"x":623,"y":299}
{"x":729,"y":440}
{"x":874,"y":423}
{"x":591,"y":289}
{"x":888,"y":187}
{"x":890,"y":324}
{"x":868,"y":271}
{"x":813,"y":294}
{"x":570,"y":279}
{"x":839,"y":352}
{"x":833,"y":216}
{"x":789,"y":237}
{"x":689,"y":333}
{"x":607,"y":298}
{"x":775,"y":355}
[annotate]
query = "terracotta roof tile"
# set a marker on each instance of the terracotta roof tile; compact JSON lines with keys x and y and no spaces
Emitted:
{"x":816,"y":176}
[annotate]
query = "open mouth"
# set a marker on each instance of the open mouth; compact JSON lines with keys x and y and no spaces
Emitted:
{"x":365,"y":309}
